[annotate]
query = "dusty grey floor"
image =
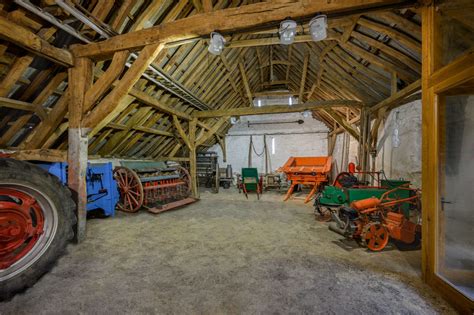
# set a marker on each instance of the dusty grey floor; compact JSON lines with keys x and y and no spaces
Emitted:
{"x":225,"y":254}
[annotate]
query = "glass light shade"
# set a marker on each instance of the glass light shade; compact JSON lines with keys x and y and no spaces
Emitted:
{"x":318,"y":28}
{"x":216,"y":44}
{"x":287,"y":32}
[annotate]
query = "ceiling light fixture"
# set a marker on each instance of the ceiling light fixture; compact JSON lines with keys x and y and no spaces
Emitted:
{"x":216,"y":44}
{"x":287,"y":32}
{"x":318,"y":27}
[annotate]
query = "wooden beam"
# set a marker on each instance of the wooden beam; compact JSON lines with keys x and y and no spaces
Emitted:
{"x":303,"y":77}
{"x":255,"y":42}
{"x":28,"y":40}
{"x":80,"y":79}
{"x":343,"y":123}
{"x":105,"y":81}
{"x":158,"y":104}
{"x":45,"y":155}
{"x":397,"y":97}
{"x":226,"y":21}
{"x":206,"y":136}
{"x":181,"y":132}
{"x":207,"y":5}
{"x":246,"y":83}
{"x":111,"y":101}
{"x":276,"y":109}
{"x":8,"y":102}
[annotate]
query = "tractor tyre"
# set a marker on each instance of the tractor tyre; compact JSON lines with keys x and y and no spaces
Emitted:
{"x":36,"y":223}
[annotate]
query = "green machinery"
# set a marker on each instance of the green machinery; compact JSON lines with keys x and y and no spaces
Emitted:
{"x":333,"y":197}
{"x":250,"y":181}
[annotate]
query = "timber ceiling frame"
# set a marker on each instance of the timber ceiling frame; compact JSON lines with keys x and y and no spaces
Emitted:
{"x":369,"y":42}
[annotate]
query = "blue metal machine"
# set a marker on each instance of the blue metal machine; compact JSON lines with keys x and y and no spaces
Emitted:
{"x":102,"y":192}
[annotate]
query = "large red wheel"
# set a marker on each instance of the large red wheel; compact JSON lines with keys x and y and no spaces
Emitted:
{"x":36,"y":220}
{"x":130,"y":189}
{"x":375,"y":236}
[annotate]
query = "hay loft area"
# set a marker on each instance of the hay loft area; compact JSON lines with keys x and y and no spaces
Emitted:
{"x":218,"y":156}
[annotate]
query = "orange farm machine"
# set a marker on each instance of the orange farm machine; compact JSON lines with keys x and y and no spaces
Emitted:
{"x":309,"y":171}
{"x":374,"y":221}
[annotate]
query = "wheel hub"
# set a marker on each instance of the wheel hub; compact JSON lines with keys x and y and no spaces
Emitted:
{"x":21,"y":224}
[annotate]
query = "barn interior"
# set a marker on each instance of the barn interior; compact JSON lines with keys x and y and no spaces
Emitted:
{"x":218,"y":156}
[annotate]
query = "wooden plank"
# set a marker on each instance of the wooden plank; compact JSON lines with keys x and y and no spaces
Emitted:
{"x":276,"y":109}
{"x":113,"y":99}
{"x":227,"y":20}
{"x":26,"y":39}
{"x":406,"y":40}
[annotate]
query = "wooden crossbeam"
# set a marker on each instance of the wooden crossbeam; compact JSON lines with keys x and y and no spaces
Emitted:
{"x":226,"y":20}
{"x":8,"y":102}
{"x":30,"y":41}
{"x":397,"y":97}
{"x":276,"y":109}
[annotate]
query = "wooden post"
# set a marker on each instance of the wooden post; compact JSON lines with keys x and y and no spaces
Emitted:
{"x":80,"y":79}
{"x":192,"y":157}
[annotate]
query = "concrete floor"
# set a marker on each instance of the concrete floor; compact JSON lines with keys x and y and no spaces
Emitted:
{"x":225,"y":254}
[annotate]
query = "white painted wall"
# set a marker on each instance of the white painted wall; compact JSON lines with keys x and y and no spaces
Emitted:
{"x":307,"y":139}
{"x":402,"y":162}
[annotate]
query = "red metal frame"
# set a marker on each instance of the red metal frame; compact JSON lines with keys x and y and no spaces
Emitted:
{"x":21,"y":225}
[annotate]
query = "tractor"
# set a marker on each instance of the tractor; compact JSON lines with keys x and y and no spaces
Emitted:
{"x":373,"y":221}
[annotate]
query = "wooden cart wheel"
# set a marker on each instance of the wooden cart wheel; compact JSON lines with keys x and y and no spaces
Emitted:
{"x":130,"y":188}
{"x":185,"y":177}
{"x":375,"y":236}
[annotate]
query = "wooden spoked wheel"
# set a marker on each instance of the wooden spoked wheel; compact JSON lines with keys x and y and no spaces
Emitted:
{"x":130,"y":188}
{"x":375,"y":236}
{"x":185,"y":177}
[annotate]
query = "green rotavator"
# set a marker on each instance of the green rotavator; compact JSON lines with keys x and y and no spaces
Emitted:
{"x":347,"y":188}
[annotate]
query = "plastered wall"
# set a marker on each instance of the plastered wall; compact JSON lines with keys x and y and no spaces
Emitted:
{"x":403,"y":161}
{"x":290,"y":139}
